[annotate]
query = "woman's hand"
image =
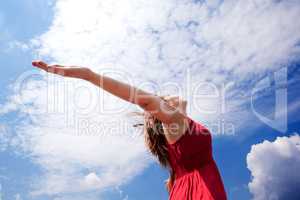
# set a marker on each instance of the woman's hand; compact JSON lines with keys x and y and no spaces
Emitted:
{"x":67,"y":71}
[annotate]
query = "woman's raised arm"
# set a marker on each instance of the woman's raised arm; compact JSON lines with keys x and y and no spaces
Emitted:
{"x":147,"y":101}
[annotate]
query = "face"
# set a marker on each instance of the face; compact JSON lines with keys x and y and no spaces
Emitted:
{"x":177,"y":102}
{"x":174,"y":101}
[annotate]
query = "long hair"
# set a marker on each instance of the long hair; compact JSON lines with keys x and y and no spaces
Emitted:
{"x":156,"y":143}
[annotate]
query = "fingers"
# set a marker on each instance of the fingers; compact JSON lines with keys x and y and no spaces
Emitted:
{"x":57,"y":69}
{"x":40,"y":64}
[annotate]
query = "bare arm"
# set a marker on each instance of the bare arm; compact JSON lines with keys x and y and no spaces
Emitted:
{"x":149,"y":102}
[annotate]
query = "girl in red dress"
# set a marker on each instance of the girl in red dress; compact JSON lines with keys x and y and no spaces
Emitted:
{"x":181,"y":144}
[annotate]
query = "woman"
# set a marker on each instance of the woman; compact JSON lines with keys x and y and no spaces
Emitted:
{"x":181,"y":144}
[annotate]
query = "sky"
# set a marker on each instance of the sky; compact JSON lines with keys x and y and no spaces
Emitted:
{"x":236,"y":63}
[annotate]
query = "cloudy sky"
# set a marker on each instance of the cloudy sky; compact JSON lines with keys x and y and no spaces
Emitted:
{"x":236,"y":62}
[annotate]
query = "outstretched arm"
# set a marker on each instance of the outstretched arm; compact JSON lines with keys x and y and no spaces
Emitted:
{"x":149,"y":102}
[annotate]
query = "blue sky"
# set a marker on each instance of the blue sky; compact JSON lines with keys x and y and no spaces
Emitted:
{"x":250,"y":45}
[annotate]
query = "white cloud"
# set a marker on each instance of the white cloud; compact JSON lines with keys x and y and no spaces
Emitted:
{"x":151,"y":40}
{"x":92,"y":180}
{"x":92,"y":152}
{"x":243,"y":36}
{"x":18,"y":45}
{"x":4,"y":138}
{"x":275,"y":169}
{"x":237,"y":41}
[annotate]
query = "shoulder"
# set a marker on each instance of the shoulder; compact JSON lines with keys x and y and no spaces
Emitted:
{"x":195,"y":143}
{"x":195,"y":133}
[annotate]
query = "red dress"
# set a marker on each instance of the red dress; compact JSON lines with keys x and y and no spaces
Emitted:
{"x":196,"y":174}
